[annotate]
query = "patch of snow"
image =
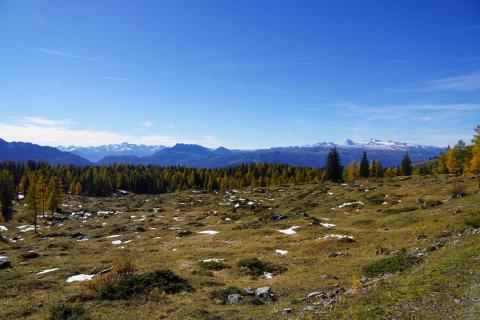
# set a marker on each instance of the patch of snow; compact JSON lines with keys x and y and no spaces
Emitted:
{"x":48,"y":271}
{"x":212,"y":260}
{"x":26,"y":228}
{"x":327,"y":225}
{"x":117,"y":242}
{"x":3,"y":228}
{"x":281,"y":252}
{"x":268,"y":275}
{"x":80,"y":277}
{"x":114,"y":236}
{"x":291,"y":230}
{"x":208,"y":232}
{"x":348,"y":204}
{"x":335,"y":236}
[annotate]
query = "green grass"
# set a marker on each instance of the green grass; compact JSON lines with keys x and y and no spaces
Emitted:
{"x":392,"y":264}
{"x":151,"y":240}
{"x":125,"y":285}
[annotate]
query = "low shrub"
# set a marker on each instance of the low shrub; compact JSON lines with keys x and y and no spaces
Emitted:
{"x":255,"y":267}
{"x":220,"y":296}
{"x":68,"y":312}
{"x":213,"y":265}
{"x":399,"y":210}
{"x":124,"y":286}
{"x":457,"y":190}
{"x":472,"y":219}
{"x":399,"y":262}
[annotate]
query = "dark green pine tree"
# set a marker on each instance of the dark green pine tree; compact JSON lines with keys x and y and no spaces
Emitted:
{"x":363,"y":170}
{"x":6,"y":195}
{"x":406,"y":165}
{"x":334,"y":169}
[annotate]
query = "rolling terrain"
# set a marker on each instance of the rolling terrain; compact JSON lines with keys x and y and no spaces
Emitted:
{"x":395,"y":248}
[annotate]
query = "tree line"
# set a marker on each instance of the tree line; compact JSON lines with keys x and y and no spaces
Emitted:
{"x":44,"y":185}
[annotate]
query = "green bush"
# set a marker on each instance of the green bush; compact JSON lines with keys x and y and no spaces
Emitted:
{"x":392,"y":264}
{"x":255,"y":267}
{"x":220,"y":296}
{"x":68,"y":312}
{"x":399,"y":210}
{"x":213,"y":265}
{"x":123,"y":286}
{"x":473,"y":219}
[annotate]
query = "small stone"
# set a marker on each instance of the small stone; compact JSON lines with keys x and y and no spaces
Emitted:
{"x":264,"y":293}
{"x":287,"y":311}
{"x":233,"y":298}
{"x":249,"y":291}
{"x":5,"y":263}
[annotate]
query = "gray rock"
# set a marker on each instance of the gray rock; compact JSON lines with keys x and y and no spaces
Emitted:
{"x":264,"y":293}
{"x":249,"y":291}
{"x":315,"y":294}
{"x":338,"y":254}
{"x":5,"y":263}
{"x":233,"y":298}
{"x":287,"y":311}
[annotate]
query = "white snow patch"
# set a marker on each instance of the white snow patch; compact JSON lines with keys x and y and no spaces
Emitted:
{"x":80,"y":277}
{"x":281,"y":252}
{"x":48,"y":271}
{"x":212,"y":260}
{"x":3,"y":228}
{"x":327,"y":225}
{"x":26,"y":228}
{"x":114,"y":236}
{"x":208,"y":232}
{"x":348,"y":204}
{"x":291,"y":230}
{"x":117,"y":242}
{"x":335,"y":236}
{"x":268,"y":275}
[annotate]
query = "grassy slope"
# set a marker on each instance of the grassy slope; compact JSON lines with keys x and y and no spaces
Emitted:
{"x":425,"y":291}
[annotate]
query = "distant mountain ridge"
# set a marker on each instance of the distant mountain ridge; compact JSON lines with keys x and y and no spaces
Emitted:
{"x":95,"y":154}
{"x":388,"y":152}
{"x":24,"y":151}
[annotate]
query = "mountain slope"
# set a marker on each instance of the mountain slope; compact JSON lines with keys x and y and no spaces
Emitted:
{"x":23,"y":151}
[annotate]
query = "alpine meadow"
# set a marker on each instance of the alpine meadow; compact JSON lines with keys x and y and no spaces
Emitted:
{"x":214,"y":160}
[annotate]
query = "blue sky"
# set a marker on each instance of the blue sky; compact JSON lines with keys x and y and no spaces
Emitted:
{"x":242,"y":74}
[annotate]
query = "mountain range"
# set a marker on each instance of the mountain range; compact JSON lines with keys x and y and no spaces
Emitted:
{"x":388,"y":152}
{"x":24,"y":151}
{"x":94,"y":154}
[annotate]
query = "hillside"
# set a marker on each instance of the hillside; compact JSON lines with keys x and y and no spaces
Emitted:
{"x":23,"y":152}
{"x":390,"y":248}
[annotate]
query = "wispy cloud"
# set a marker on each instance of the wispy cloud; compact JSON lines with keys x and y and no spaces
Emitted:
{"x":465,"y":82}
{"x":147,"y":124}
{"x":115,"y":78}
{"x":54,"y":132}
{"x":62,"y":53}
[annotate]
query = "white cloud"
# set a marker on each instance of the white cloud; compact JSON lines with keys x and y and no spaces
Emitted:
{"x":115,"y":78}
{"x":147,"y":124}
{"x":50,"y":132}
{"x":464,"y":83}
{"x":61,"y":53}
